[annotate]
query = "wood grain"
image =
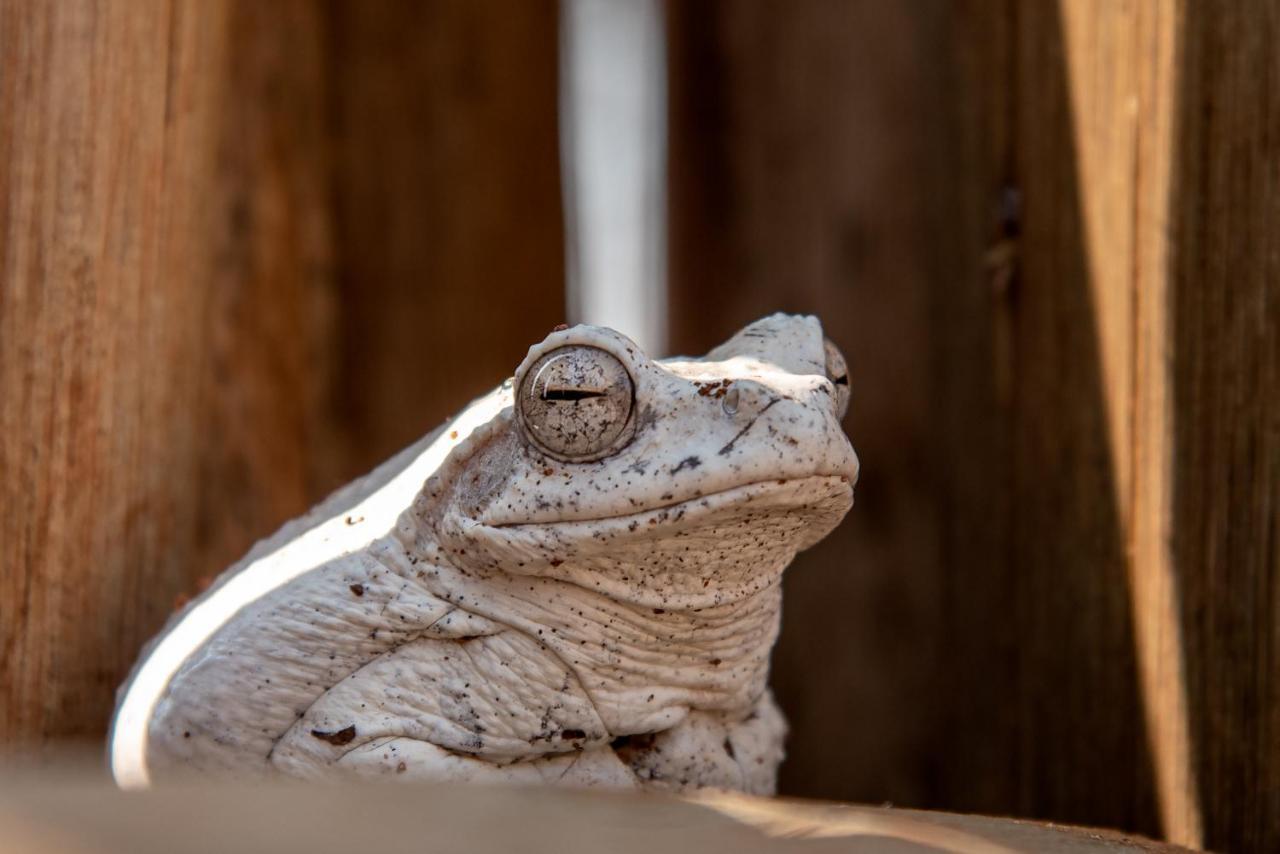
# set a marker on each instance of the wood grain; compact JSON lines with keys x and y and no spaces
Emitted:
{"x":161,"y":256}
{"x":1167,"y":116}
{"x":1065,"y":389}
{"x":795,"y":150}
{"x":248,"y":250}
{"x":1224,"y":313}
{"x":447,"y":206}
{"x":64,"y":813}
{"x":1043,"y":677}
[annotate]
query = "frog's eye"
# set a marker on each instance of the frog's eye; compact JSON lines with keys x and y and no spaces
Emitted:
{"x":575,"y":403}
{"x":838,"y":373}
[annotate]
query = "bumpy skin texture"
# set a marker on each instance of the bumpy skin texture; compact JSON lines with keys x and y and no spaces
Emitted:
{"x":526,"y":615}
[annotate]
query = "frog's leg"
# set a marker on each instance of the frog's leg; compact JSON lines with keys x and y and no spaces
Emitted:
{"x":479,"y":707}
{"x":711,"y":749}
{"x":411,"y":759}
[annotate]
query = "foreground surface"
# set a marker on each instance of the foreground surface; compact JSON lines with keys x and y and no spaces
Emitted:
{"x":83,"y":814}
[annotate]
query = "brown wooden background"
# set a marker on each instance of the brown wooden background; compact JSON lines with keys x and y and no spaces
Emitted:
{"x":249,"y":249}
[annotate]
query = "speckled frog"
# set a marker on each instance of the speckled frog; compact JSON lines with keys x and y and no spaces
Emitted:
{"x":575,"y":581}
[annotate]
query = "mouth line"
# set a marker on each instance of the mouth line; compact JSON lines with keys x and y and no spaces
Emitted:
{"x":764,"y":487}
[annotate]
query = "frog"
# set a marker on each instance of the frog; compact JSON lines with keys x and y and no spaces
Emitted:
{"x":575,"y":581}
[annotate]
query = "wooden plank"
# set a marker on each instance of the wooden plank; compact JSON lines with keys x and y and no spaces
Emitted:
{"x":796,"y":150}
{"x":272,"y":293}
{"x":1166,"y":114}
{"x":1035,"y":305}
{"x":447,"y":208}
{"x":1087,"y":598}
{"x":1153,"y":582}
{"x":44,"y":813}
{"x":1066,"y":669}
{"x":158,"y":241}
{"x":1071,"y":705}
{"x":179,"y":372}
{"x":1224,"y":313}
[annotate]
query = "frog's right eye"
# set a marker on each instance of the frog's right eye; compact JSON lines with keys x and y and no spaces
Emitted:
{"x":575,"y":403}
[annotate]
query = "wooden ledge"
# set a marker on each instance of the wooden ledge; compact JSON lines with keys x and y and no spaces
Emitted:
{"x":79,"y":814}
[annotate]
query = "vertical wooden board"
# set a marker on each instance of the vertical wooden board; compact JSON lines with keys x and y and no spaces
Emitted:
{"x":1047,"y":714}
{"x":971,"y":255}
{"x":1162,"y":652}
{"x":795,"y":143}
{"x":270,"y":283}
{"x":1082,"y":748}
{"x":447,"y":207}
{"x":141,"y":445}
{"x":915,"y":179}
{"x":1225,"y":313}
{"x":99,"y":442}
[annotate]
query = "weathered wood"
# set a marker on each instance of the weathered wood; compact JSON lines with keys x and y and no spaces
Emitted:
{"x":1224,"y":397}
{"x":48,"y":813}
{"x":248,"y":249}
{"x":140,"y":441}
{"x":181,"y":367}
{"x":795,"y":152}
{"x":447,"y":207}
{"x":1166,"y":115}
{"x":272,"y":297}
{"x":1079,"y":253}
{"x":161,"y":256}
{"x":1037,"y":325}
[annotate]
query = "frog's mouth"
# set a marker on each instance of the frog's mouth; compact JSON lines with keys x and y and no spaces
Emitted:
{"x":796,"y":494}
{"x":693,"y":553}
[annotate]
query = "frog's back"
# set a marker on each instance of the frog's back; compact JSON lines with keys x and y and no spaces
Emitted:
{"x":341,"y":545}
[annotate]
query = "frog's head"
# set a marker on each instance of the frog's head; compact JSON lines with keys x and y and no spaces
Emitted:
{"x":677,"y":483}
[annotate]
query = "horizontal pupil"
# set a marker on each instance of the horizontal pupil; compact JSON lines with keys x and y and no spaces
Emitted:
{"x":570,"y":393}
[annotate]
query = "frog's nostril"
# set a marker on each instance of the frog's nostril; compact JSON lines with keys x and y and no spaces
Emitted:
{"x":745,"y":398}
{"x":730,"y":400}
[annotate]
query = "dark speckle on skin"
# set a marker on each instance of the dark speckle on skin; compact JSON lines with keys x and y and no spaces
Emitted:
{"x":687,"y":463}
{"x":728,"y":447}
{"x":339,"y":738}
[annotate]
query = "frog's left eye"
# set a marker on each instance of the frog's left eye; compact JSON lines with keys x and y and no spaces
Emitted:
{"x":575,"y":403}
{"x":838,"y":373}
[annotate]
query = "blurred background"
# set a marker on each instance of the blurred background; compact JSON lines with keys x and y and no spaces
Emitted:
{"x":248,"y":250}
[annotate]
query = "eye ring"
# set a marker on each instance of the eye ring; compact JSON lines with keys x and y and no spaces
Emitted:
{"x":575,"y":403}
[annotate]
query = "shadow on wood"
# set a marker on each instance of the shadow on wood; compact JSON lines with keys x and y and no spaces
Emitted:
{"x":966,"y":638}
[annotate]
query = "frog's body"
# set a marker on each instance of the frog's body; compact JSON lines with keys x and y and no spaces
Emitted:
{"x":590,"y":602}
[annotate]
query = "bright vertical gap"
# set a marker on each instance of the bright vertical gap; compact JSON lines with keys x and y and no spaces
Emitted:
{"x":613,"y":154}
{"x":1121,"y":71}
{"x":1161,"y":648}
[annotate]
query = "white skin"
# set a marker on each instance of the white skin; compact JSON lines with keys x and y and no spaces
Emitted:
{"x":585,"y":591}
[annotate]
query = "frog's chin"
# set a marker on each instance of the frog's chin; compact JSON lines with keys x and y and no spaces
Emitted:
{"x":698,"y":552}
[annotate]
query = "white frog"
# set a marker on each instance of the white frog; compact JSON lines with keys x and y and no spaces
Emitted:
{"x":575,"y":581}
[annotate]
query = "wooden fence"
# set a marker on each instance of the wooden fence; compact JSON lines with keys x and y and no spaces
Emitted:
{"x":249,"y":249}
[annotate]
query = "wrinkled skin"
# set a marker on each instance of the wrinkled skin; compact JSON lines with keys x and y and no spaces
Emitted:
{"x":484,"y":607}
